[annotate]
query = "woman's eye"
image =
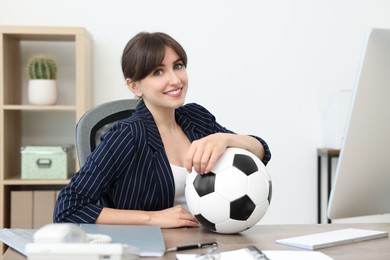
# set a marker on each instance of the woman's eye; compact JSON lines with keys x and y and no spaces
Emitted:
{"x":179,"y":66}
{"x":158,"y":73}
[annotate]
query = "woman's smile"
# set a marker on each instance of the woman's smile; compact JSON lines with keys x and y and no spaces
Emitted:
{"x":174,"y":92}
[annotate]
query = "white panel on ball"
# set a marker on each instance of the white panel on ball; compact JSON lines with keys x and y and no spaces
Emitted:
{"x":209,"y":204}
{"x":193,"y":202}
{"x":224,"y":161}
{"x":232,"y":186}
{"x":231,"y":226}
{"x":257,"y":214}
{"x":257,"y":186}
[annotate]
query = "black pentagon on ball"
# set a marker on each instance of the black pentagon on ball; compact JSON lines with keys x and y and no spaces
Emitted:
{"x":269,"y":192}
{"x":205,"y":222}
{"x":204,"y":183}
{"x":245,"y":163}
{"x":241,"y":208}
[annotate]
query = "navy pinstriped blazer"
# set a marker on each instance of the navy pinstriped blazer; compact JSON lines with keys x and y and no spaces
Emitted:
{"x":130,"y":169}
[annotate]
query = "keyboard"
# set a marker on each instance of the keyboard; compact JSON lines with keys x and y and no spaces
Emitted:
{"x":332,"y":238}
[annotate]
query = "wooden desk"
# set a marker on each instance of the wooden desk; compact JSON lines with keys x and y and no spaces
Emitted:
{"x":264,"y":236}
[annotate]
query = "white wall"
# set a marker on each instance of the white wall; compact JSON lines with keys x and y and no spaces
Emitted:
{"x":263,"y":67}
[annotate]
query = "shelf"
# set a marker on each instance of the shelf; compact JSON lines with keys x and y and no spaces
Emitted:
{"x":39,"y":108}
{"x":39,"y":33}
{"x":10,"y":182}
{"x":22,"y":124}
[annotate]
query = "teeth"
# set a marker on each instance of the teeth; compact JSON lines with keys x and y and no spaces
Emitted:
{"x":174,"y":92}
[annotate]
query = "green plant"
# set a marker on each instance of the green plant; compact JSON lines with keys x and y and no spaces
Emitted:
{"x":42,"y":67}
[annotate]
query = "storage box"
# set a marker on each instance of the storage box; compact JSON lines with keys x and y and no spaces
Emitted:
{"x":21,"y":209}
{"x":47,"y":162}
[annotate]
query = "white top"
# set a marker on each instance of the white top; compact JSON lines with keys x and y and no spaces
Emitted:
{"x":179,"y":176}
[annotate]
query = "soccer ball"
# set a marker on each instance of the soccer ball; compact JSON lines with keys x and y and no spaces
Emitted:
{"x":234,"y":196}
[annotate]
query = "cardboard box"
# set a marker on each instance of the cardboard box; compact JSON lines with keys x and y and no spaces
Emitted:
{"x":47,"y":162}
{"x":43,"y":208}
{"x":32,"y":209}
{"x":21,"y":209}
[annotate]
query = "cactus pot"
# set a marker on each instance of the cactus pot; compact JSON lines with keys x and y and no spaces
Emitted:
{"x":42,"y":91}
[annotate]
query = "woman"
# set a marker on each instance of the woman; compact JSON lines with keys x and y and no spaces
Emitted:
{"x":135,"y":175}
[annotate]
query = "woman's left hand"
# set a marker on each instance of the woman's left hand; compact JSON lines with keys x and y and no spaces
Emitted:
{"x":204,"y":153}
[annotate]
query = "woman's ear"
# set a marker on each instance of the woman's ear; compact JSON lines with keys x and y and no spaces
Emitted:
{"x":133,"y":87}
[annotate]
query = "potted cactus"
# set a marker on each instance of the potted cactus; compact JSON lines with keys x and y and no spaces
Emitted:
{"x":42,"y":87}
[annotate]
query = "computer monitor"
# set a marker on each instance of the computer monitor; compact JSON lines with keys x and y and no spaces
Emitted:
{"x":362,"y":180}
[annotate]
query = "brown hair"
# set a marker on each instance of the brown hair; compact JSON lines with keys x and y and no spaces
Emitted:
{"x":145,"y":52}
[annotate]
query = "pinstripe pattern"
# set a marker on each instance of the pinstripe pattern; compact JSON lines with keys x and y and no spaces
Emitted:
{"x":130,"y":169}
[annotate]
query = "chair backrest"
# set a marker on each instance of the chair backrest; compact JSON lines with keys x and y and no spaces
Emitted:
{"x":97,"y":121}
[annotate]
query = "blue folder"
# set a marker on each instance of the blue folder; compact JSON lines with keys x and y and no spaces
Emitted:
{"x":148,"y":239}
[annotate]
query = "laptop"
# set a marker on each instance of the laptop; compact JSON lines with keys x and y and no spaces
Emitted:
{"x":147,"y":239}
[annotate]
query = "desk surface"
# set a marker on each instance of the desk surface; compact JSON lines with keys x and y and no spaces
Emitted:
{"x":264,"y":236}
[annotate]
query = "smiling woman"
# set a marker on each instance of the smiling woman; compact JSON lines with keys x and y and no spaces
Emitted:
{"x":135,"y":175}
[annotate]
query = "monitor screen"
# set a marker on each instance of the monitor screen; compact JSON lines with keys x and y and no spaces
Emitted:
{"x":362,"y":180}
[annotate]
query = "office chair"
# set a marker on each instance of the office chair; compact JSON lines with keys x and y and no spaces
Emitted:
{"x":97,"y":121}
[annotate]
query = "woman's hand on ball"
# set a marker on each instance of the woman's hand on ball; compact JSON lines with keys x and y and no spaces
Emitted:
{"x":204,"y":153}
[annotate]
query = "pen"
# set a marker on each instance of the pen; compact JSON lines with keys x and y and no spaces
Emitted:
{"x":192,"y":246}
{"x":257,"y":253}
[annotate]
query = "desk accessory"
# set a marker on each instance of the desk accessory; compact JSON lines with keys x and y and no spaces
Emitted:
{"x":245,"y":254}
{"x":47,"y":162}
{"x":17,"y":238}
{"x":332,"y":238}
{"x":147,"y":239}
{"x":80,"y":251}
{"x":192,"y":246}
{"x":65,"y":241}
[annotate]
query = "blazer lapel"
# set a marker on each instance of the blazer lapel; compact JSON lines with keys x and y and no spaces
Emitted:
{"x":153,"y":135}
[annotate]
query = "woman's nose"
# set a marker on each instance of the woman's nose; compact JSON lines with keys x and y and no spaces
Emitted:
{"x":173,"y":78}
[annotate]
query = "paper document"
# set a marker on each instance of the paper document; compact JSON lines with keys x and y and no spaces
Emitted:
{"x":243,"y":254}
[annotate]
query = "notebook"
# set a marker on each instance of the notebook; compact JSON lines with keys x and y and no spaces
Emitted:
{"x":148,"y":239}
{"x":332,"y":238}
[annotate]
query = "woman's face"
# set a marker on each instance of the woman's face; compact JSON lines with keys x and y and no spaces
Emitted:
{"x":166,"y":86}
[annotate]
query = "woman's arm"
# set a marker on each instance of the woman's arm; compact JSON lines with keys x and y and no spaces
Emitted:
{"x":204,"y":153}
{"x":168,"y":218}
